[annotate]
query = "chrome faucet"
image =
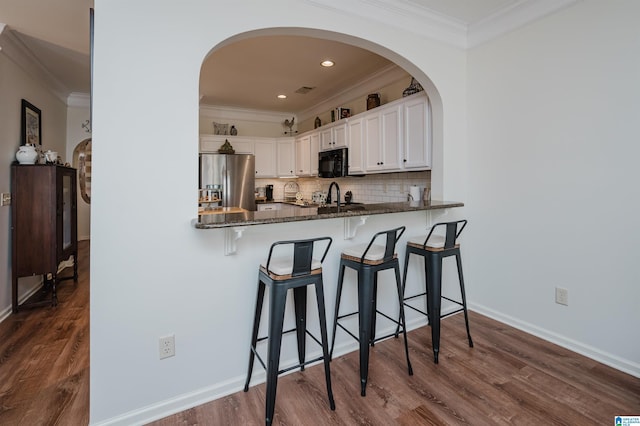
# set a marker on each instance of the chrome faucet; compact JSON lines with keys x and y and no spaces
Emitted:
{"x":337,"y":193}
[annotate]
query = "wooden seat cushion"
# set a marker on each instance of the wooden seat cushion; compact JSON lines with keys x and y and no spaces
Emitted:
{"x":374,"y":256}
{"x":282,"y":267}
{"x":435,"y":243}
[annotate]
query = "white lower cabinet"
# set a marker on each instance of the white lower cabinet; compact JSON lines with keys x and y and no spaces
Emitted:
{"x":268,"y":207}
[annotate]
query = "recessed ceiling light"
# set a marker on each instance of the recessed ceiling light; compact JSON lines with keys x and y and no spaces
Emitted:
{"x":282,"y":96}
{"x":327,"y":63}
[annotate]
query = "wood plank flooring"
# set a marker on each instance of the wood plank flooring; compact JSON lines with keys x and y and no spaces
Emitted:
{"x":44,"y":357}
{"x":509,"y":377}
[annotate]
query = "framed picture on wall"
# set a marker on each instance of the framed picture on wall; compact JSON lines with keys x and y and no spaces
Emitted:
{"x":31,"y":132}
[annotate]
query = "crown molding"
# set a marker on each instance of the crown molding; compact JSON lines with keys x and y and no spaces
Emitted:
{"x":371,"y":84}
{"x":428,"y":23}
{"x":510,"y":18}
{"x":404,"y":15}
{"x":78,"y":99}
{"x":236,"y":113}
{"x":15,"y":49}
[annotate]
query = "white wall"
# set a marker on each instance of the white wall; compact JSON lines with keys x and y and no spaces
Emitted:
{"x":551,"y":140}
{"x":152,"y":273}
{"x":16,"y":84}
{"x":553,"y":144}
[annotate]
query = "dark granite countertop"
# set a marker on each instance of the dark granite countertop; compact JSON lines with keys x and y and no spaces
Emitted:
{"x":224,"y":220}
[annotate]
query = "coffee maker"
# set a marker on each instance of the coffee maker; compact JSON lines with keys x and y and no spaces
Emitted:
{"x":268,"y":191}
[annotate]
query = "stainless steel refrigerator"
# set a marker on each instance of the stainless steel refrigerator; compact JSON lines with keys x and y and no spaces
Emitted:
{"x":235,"y":173}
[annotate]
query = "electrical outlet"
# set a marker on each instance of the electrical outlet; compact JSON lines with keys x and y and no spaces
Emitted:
{"x":562,"y":296}
{"x":167,"y":346}
{"x":5,"y":199}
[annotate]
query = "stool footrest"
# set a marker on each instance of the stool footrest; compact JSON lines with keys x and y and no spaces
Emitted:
{"x":314,"y":338}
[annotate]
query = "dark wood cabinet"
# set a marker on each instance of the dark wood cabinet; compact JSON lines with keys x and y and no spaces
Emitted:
{"x":44,"y":229}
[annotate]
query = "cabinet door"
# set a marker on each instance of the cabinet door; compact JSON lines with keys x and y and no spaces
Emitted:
{"x":286,"y":157}
{"x":340,"y":135}
{"x":372,"y":138}
{"x":303,"y":156}
{"x":390,"y":143}
{"x":356,"y":149}
{"x":326,"y":139}
{"x":265,"y":152}
{"x":314,"y":148}
{"x":417,"y":134}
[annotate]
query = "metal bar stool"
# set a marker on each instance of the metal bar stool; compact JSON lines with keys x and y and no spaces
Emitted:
{"x":368,"y":260}
{"x":281,"y":273}
{"x":434,"y":248}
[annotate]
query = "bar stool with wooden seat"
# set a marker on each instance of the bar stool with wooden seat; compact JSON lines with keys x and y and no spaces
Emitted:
{"x":434,"y":248}
{"x":368,"y":260}
{"x":280,"y":274}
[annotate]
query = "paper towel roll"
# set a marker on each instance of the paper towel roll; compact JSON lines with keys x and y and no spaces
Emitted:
{"x":416,"y":192}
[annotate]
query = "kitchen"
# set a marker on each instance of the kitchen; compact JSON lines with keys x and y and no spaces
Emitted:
{"x":397,"y":133}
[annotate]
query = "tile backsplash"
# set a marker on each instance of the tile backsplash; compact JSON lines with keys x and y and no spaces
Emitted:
{"x":388,"y":187}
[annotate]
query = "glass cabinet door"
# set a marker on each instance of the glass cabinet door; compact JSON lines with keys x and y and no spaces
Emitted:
{"x":66,"y":211}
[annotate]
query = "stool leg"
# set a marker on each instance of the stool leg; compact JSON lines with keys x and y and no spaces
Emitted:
{"x":335,"y":317}
{"x":427,"y":259}
{"x":254,"y":333}
{"x":277,"y":301}
{"x":300,"y":307}
{"x":365,"y":299}
{"x":374,"y":310}
{"x":464,"y":298}
{"x":434,"y":284}
{"x":404,"y":286}
{"x":324,"y":339}
{"x":402,"y":318}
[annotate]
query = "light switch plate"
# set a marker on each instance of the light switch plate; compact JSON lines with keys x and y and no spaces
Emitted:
{"x":5,"y":199}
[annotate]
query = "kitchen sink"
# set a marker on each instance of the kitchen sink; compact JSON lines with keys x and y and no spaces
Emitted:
{"x":343,"y":208}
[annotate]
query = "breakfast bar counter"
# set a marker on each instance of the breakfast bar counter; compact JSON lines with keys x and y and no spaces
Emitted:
{"x":225,"y":220}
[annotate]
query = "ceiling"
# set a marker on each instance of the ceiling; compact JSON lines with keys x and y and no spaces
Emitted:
{"x":58,"y":36}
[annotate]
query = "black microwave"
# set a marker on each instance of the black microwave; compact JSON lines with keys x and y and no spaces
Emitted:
{"x":333,"y":163}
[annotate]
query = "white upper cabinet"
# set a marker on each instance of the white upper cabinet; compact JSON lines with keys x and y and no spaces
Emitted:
{"x":356,"y":146}
{"x":307,"y":154}
{"x":333,"y":136}
{"x":314,"y":148}
{"x":303,"y":155}
{"x":211,"y":143}
{"x":286,"y":153}
{"x":417,"y":134}
{"x":265,"y":152}
{"x":391,"y":142}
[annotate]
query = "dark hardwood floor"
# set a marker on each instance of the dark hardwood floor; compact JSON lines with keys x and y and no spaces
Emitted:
{"x":44,"y":357}
{"x":509,"y":377}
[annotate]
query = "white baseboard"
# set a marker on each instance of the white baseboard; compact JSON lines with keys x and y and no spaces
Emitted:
{"x":596,"y":354}
{"x":6,"y":312}
{"x":202,"y":396}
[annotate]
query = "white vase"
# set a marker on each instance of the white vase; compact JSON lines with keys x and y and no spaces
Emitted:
{"x":27,"y":154}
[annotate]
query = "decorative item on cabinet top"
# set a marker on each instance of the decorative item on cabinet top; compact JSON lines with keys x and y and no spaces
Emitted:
{"x":289,"y":124}
{"x":373,"y":101}
{"x":226,"y":148}
{"x":220,"y":128}
{"x":233,"y":131}
{"x":414,"y":87}
{"x":27,"y":154}
{"x":317,"y":123}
